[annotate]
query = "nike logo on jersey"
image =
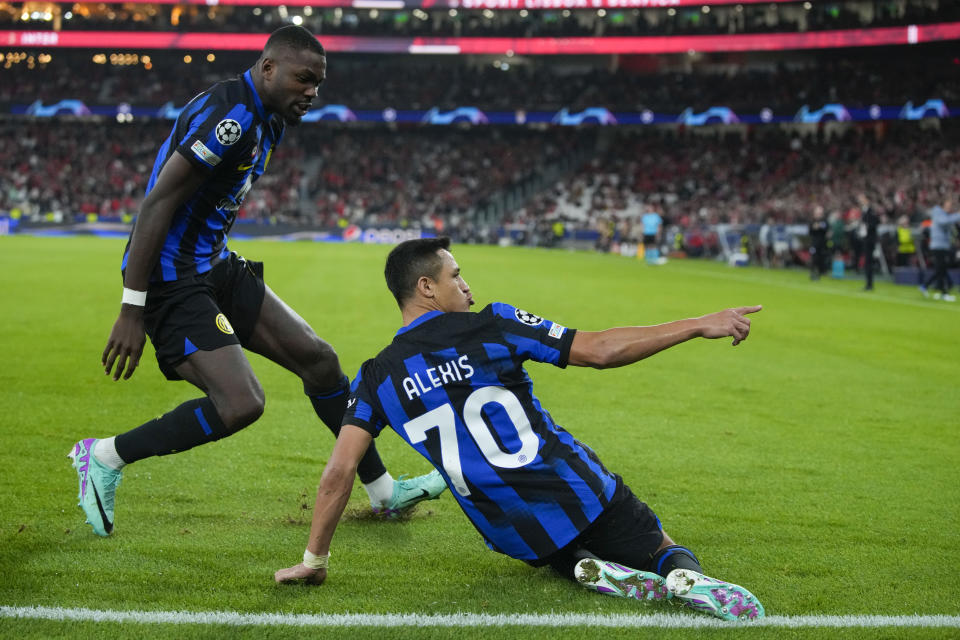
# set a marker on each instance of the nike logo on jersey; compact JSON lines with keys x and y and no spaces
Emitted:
{"x":253,"y":157}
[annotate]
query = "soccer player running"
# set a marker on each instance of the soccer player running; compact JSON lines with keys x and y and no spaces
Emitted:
{"x":201,"y":304}
{"x":452,"y":384}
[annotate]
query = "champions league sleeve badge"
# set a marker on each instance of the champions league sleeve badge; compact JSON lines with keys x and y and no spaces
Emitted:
{"x":528,"y":318}
{"x":228,"y":132}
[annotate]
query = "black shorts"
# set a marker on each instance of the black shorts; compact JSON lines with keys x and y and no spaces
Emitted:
{"x":627,"y":532}
{"x":649,"y":240}
{"x":204,"y":312}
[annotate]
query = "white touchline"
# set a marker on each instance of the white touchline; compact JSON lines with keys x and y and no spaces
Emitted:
{"x":654,"y":620}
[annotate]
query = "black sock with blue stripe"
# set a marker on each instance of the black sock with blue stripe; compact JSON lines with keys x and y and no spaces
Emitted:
{"x":192,"y":423}
{"x":674,"y":557}
{"x":330,"y":405}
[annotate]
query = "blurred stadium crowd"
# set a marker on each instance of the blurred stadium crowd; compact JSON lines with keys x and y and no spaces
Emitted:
{"x":437,"y":178}
{"x":318,"y":176}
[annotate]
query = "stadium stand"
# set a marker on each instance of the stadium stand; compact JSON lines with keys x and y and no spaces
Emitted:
{"x":374,"y":175}
{"x":61,"y":169}
{"x":734,"y":179}
{"x":527,"y":184}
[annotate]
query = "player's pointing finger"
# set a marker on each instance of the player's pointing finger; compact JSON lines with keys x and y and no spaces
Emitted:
{"x":745,"y":310}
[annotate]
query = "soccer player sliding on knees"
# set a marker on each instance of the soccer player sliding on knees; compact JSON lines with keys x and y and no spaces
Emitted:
{"x":453,"y":386}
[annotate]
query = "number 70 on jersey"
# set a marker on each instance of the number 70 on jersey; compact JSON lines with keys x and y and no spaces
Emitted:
{"x":444,"y":419}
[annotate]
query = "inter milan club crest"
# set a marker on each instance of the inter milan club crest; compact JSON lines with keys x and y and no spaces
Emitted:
{"x":527,"y":318}
{"x":228,"y":132}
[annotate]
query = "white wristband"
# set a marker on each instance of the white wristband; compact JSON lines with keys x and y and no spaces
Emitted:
{"x":312,"y":561}
{"x":135,"y":298}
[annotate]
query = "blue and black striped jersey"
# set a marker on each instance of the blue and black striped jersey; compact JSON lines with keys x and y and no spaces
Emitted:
{"x":454,"y":387}
{"x":225,"y":132}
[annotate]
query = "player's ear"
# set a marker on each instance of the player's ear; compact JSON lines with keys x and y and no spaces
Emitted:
{"x":267,"y":67}
{"x":426,"y":286}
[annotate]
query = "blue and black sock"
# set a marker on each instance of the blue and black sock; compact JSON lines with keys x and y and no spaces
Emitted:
{"x":330,"y":405}
{"x":674,"y":557}
{"x":192,"y":423}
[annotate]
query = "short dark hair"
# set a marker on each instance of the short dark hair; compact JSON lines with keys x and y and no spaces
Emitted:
{"x":409,"y":261}
{"x":293,"y":37}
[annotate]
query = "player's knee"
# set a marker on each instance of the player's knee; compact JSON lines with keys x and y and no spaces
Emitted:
{"x":241,"y":415}
{"x":321,"y":366}
{"x":251,"y":410}
{"x":241,"y":410}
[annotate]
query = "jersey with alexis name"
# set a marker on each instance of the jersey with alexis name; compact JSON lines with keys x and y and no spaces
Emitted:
{"x":226,"y":133}
{"x":454,"y":387}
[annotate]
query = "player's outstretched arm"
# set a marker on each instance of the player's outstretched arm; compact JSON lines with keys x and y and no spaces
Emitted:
{"x":625,"y":345}
{"x":177,"y":181}
{"x":332,"y":495}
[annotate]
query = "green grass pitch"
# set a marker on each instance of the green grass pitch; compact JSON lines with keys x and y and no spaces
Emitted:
{"x":818,"y":463}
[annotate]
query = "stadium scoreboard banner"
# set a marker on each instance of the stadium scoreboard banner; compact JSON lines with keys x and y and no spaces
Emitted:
{"x":840,"y":38}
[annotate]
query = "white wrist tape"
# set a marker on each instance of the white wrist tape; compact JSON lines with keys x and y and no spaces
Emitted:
{"x":312,"y":561}
{"x":135,"y":298}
